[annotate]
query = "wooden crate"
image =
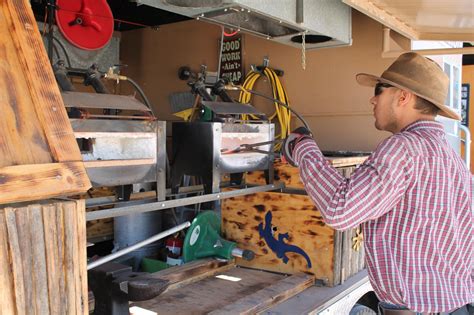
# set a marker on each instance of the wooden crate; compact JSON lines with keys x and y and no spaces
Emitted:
{"x":330,"y":255}
{"x":43,"y":258}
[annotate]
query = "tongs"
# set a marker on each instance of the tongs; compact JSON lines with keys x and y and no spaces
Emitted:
{"x":252,"y":147}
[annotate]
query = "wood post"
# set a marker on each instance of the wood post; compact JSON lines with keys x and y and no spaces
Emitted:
{"x":43,"y":258}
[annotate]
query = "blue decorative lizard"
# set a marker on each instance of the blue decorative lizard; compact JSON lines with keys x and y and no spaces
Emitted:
{"x":279,"y":247}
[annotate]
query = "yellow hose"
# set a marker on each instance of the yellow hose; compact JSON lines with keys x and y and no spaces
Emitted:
{"x":282,"y":114}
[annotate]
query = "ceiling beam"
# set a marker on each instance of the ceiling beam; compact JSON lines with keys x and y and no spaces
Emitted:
{"x":458,"y":37}
{"x":368,"y":8}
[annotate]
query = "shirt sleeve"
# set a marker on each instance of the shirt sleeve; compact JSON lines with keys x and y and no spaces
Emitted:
{"x":373,"y":189}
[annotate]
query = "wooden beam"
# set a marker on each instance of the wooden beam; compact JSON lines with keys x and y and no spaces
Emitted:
{"x":458,"y":37}
{"x":38,"y":181}
{"x":191,"y":272}
{"x":40,"y":79}
{"x":370,"y":9}
{"x":271,"y":295}
{"x":111,"y":163}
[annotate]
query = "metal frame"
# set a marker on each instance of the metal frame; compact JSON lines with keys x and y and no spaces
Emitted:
{"x":162,"y":205}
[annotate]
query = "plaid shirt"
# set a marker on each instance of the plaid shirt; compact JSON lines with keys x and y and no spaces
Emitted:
{"x":413,"y":196}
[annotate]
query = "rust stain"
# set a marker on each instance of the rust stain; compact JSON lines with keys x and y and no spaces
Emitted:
{"x":311,"y":233}
{"x":259,"y":208}
{"x":258,"y":218}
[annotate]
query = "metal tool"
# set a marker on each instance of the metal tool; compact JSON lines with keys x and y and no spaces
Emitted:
{"x":251,"y":147}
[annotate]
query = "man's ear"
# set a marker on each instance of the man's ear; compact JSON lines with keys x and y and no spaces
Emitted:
{"x":405,"y":98}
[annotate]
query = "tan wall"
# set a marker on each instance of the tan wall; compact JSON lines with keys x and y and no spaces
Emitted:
{"x":326,"y":93}
{"x":468,"y":77}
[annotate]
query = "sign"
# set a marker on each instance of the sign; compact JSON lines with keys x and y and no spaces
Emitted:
{"x":231,"y":59}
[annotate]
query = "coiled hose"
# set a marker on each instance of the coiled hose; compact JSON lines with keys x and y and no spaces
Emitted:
{"x":282,"y":113}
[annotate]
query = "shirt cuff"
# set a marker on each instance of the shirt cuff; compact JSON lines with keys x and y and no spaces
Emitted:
{"x":305,"y":148}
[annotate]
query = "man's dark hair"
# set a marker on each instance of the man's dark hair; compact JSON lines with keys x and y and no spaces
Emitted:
{"x":426,"y":107}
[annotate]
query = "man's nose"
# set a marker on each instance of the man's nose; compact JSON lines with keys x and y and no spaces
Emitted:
{"x":372,"y":101}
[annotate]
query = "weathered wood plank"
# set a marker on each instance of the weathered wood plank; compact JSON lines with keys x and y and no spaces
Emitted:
{"x":46,"y":258}
{"x":34,"y":127}
{"x":18,"y":122}
{"x":30,"y":182}
{"x":16,"y":261}
{"x":40,"y":80}
{"x":22,"y":221}
{"x":7,"y":294}
{"x":39,"y":274}
{"x":271,"y":295}
{"x":62,"y":284}
{"x":70,"y":256}
{"x":211,"y":293}
{"x":52,"y":258}
{"x":111,"y":163}
{"x":82,"y":256}
{"x":180,"y":276}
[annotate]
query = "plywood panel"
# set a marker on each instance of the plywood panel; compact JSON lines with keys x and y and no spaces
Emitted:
{"x":34,"y":128}
{"x":43,"y":248}
{"x":211,"y":293}
{"x":292,"y":214}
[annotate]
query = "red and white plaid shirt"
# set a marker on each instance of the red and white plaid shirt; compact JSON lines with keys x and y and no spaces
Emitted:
{"x":413,"y":196}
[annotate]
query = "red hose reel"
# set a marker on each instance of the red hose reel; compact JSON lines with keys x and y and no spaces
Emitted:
{"x":87,"y":24}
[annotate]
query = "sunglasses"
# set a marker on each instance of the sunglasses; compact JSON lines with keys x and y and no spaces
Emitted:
{"x":379,"y":88}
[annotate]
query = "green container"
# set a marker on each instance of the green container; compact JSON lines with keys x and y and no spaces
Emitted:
{"x":153,"y":265}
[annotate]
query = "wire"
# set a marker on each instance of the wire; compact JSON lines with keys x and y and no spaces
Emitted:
{"x":104,"y":17}
{"x":64,"y":51}
{"x":280,"y":103}
{"x":280,"y":98}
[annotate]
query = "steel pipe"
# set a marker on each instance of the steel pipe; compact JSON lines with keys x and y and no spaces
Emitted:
{"x":138,"y":245}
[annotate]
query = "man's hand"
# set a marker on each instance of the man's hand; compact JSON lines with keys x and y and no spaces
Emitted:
{"x":289,"y":144}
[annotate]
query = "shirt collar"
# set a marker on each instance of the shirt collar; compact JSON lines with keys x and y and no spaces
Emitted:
{"x":424,"y":124}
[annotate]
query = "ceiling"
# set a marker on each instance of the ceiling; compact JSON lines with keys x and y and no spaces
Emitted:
{"x":446,"y":20}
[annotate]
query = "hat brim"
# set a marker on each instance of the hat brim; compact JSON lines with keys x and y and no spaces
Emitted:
{"x":371,"y":80}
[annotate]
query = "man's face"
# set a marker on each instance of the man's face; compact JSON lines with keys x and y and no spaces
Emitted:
{"x":384,"y":107}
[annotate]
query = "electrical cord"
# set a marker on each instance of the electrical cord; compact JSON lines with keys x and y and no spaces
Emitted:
{"x":64,"y":51}
{"x":280,"y":99}
{"x":279,"y":103}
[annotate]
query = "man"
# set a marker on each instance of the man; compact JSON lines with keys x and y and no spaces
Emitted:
{"x":413,"y":195}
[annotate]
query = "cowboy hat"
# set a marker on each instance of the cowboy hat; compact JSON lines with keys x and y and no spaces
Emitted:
{"x":416,"y":74}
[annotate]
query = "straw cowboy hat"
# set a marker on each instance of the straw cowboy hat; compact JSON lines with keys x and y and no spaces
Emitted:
{"x":416,"y":74}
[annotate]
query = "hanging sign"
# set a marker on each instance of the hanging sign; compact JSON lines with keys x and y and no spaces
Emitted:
{"x":231,"y":59}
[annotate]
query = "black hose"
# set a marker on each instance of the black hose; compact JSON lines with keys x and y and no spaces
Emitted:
{"x":142,"y":94}
{"x":282,"y":104}
{"x":64,"y":51}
